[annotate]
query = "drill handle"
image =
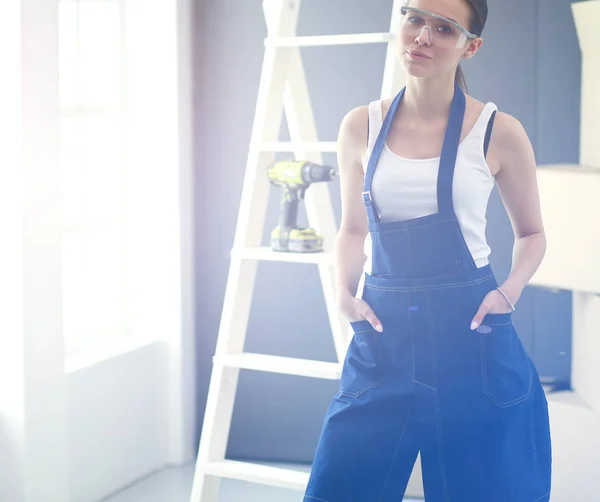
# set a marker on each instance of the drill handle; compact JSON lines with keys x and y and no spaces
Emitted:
{"x":288,"y":213}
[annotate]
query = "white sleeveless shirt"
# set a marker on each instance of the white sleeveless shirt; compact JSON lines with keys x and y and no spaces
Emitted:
{"x":407,"y":188}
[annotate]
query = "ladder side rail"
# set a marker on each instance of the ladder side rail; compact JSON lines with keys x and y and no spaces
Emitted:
{"x":394,"y":76}
{"x":283,"y":18}
{"x":282,"y":87}
{"x":318,"y":203}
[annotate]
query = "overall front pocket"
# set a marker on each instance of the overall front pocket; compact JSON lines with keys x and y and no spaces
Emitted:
{"x":505,"y":364}
{"x":362,"y":364}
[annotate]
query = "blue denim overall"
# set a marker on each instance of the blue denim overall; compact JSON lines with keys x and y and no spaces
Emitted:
{"x":470,"y":402}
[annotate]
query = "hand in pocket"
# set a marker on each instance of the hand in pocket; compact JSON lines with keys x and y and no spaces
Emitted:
{"x":356,"y":309}
{"x":493,"y":303}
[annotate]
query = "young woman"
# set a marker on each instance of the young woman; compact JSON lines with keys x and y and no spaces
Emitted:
{"x":435,"y":365}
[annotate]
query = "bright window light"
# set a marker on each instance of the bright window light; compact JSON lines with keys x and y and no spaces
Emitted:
{"x":93,"y":141}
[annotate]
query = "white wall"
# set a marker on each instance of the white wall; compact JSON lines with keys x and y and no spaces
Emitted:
{"x":575,"y":432}
{"x":570,"y":194}
{"x":11,"y":256}
{"x":159,"y":103}
{"x":32,"y":381}
{"x":131,"y":410}
{"x":123,"y":398}
{"x":78,"y":429}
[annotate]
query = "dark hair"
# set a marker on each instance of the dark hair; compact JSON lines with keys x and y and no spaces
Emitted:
{"x":479,"y":13}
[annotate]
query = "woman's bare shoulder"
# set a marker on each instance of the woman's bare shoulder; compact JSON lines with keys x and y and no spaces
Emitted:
{"x":355,"y":122}
{"x":510,"y":144}
{"x":353,"y":134}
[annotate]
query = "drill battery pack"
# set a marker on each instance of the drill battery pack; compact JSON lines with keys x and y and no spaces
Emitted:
{"x":296,"y":240}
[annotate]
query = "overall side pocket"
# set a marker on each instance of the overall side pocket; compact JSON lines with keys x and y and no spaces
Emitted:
{"x":362,"y":364}
{"x":505,"y":364}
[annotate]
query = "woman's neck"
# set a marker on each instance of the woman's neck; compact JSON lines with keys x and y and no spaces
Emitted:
{"x":427,"y":99}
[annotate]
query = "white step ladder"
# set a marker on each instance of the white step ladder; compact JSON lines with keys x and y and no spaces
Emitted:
{"x":282,"y":88}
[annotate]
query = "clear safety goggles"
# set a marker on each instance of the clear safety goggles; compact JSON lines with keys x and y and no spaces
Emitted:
{"x":443,"y":31}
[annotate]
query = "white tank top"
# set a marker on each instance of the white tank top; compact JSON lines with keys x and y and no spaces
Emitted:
{"x":407,"y":188}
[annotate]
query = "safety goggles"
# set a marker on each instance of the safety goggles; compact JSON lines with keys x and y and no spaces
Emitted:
{"x":443,"y":31}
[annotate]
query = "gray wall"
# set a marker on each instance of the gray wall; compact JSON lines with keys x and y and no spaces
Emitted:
{"x":529,"y":66}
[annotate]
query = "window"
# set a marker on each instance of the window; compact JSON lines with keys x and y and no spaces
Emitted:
{"x":94,"y":173}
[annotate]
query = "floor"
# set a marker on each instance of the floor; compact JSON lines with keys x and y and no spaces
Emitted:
{"x":174,"y":485}
{"x":575,"y":465}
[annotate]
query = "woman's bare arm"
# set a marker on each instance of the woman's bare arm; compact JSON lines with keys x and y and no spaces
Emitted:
{"x":517,"y":185}
{"x":348,"y":249}
{"x":349,"y":256}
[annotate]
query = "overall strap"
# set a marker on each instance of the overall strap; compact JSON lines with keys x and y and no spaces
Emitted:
{"x":372,"y":215}
{"x":450,"y":151}
{"x":447,"y":159}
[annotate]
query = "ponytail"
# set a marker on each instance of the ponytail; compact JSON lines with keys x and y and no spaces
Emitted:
{"x":461,"y":80}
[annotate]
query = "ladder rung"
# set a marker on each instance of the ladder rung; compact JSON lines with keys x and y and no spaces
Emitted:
{"x":267,"y":254}
{"x":283,"y":365}
{"x":288,"y":146}
{"x":321,"y":40}
{"x":256,"y":473}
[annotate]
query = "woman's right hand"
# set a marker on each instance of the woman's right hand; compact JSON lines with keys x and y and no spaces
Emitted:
{"x":356,"y":309}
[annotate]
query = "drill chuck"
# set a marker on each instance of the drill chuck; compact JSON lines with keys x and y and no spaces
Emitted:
{"x":314,"y":173}
{"x":296,"y":174}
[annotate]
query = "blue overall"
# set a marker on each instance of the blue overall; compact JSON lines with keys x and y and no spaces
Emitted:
{"x":470,"y":402}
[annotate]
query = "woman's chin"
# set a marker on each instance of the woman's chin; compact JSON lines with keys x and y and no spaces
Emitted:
{"x":416,"y":71}
{"x":415,"y":68}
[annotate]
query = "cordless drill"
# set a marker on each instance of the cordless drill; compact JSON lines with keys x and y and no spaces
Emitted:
{"x":295,"y":177}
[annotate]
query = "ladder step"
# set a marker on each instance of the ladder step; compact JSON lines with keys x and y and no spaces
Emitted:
{"x":267,"y":254}
{"x":283,"y":365}
{"x":321,"y":40}
{"x":288,"y":146}
{"x":256,"y":473}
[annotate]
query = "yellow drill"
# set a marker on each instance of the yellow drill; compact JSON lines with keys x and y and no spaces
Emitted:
{"x":295,"y":177}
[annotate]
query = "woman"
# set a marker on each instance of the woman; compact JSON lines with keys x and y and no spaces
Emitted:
{"x":435,"y":365}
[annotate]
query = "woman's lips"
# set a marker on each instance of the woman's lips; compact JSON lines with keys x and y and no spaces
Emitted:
{"x":417,"y":55}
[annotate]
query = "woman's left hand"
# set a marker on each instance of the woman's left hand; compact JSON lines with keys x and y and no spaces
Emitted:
{"x":493,"y":303}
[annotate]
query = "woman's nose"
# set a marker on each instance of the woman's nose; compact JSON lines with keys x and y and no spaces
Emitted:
{"x":425,"y":36}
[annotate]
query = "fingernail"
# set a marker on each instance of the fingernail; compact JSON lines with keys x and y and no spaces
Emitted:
{"x":473,"y":325}
{"x":379,"y":328}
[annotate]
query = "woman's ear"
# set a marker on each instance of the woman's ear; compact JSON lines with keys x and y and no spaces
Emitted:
{"x":472,"y":48}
